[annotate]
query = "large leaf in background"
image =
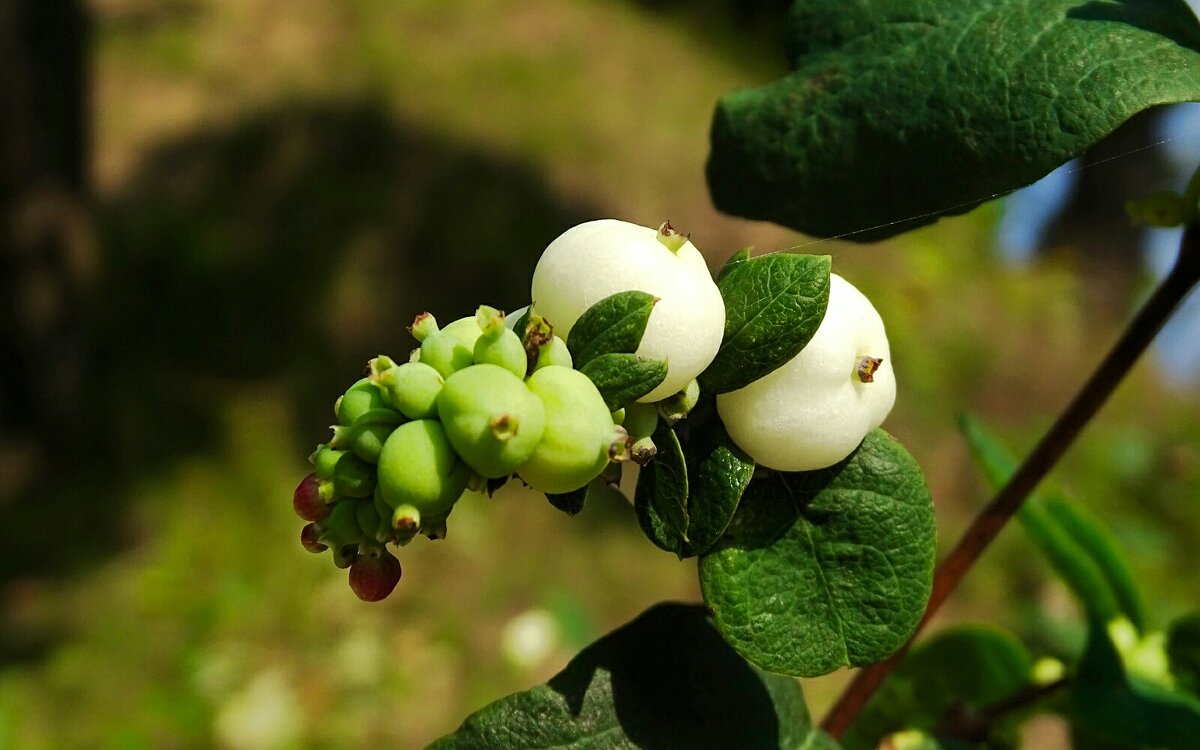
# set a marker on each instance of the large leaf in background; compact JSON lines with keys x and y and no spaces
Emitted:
{"x":1079,"y":546}
{"x":773,"y":306}
{"x":900,"y":111}
{"x":662,"y":682}
{"x":717,"y":475}
{"x":826,"y":569}
{"x":965,"y":669}
{"x":1120,"y":707}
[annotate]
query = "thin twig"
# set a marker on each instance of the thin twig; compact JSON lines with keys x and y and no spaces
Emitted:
{"x":1107,"y":376}
{"x":977,"y":725}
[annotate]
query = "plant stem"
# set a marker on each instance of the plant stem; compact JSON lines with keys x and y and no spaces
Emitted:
{"x":987,"y":525}
{"x":976,"y":726}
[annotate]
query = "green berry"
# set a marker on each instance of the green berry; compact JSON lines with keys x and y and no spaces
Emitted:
{"x":411,"y":388}
{"x":340,"y":528}
{"x":466,"y":330}
{"x":493,"y":421}
{"x":341,"y":474}
{"x":578,"y":435}
{"x":640,"y":420}
{"x":446,"y":353}
{"x":498,"y":345}
{"x":362,"y":397}
{"x":419,"y":467}
{"x":363,"y":440}
{"x":554,"y":354}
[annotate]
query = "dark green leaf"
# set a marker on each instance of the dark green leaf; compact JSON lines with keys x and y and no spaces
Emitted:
{"x":615,"y":324}
{"x":569,"y":502}
{"x":624,"y":378}
{"x":826,"y":569}
{"x":1077,"y":544}
{"x":1183,"y":652}
{"x":773,"y":306}
{"x":1107,"y":700}
{"x":717,"y":475}
{"x":900,"y":111}
{"x":741,"y":256}
{"x":661,"y":497}
{"x":665,"y":681}
{"x":965,"y":669}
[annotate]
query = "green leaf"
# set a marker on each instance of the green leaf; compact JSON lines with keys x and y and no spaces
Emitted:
{"x":741,"y":256}
{"x":963,"y":670}
{"x":569,"y":502}
{"x":717,"y":475}
{"x":773,"y":306}
{"x":1078,"y":545}
{"x":664,"y":681}
{"x":1106,"y":700}
{"x":624,"y":378}
{"x":615,"y":324}
{"x":1183,"y":652}
{"x":661,"y":496}
{"x":900,"y":111}
{"x":826,"y":569}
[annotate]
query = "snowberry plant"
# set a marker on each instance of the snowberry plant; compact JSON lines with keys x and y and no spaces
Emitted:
{"x":751,"y":407}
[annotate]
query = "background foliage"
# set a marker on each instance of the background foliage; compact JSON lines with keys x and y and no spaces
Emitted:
{"x":274,"y":190}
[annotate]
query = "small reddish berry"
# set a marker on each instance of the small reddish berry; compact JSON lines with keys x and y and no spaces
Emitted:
{"x":374,"y":576}
{"x":306,"y":500}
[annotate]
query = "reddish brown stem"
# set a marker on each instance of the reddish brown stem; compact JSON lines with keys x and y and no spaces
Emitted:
{"x":1107,"y":376}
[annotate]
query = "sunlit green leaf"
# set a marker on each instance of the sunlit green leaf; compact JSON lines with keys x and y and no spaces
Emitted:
{"x":773,"y":306}
{"x":826,"y":569}
{"x":901,"y":111}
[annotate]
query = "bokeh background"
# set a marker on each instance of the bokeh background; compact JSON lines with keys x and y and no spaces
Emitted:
{"x":213,"y":212}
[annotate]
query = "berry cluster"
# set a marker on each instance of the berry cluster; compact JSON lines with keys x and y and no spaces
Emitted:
{"x":490,"y":397}
{"x":476,"y":404}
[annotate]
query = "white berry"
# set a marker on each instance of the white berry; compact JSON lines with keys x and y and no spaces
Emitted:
{"x":596,"y":259}
{"x":813,"y":411}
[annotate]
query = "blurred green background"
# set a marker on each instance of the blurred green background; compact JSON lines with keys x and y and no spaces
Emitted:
{"x":215,"y":211}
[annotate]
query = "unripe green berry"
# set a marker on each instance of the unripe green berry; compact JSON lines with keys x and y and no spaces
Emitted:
{"x":419,"y":467}
{"x":340,"y":528}
{"x":493,"y":421}
{"x":554,"y":354}
{"x":361,"y":397}
{"x":341,"y":474}
{"x":363,"y":440}
{"x":579,"y":432}
{"x":446,"y":353}
{"x":640,"y":420}
{"x":411,"y":389}
{"x":499,"y":346}
{"x":466,"y":330}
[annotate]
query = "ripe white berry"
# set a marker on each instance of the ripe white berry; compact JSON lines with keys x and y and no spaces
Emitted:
{"x":596,"y":259}
{"x":813,"y":411}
